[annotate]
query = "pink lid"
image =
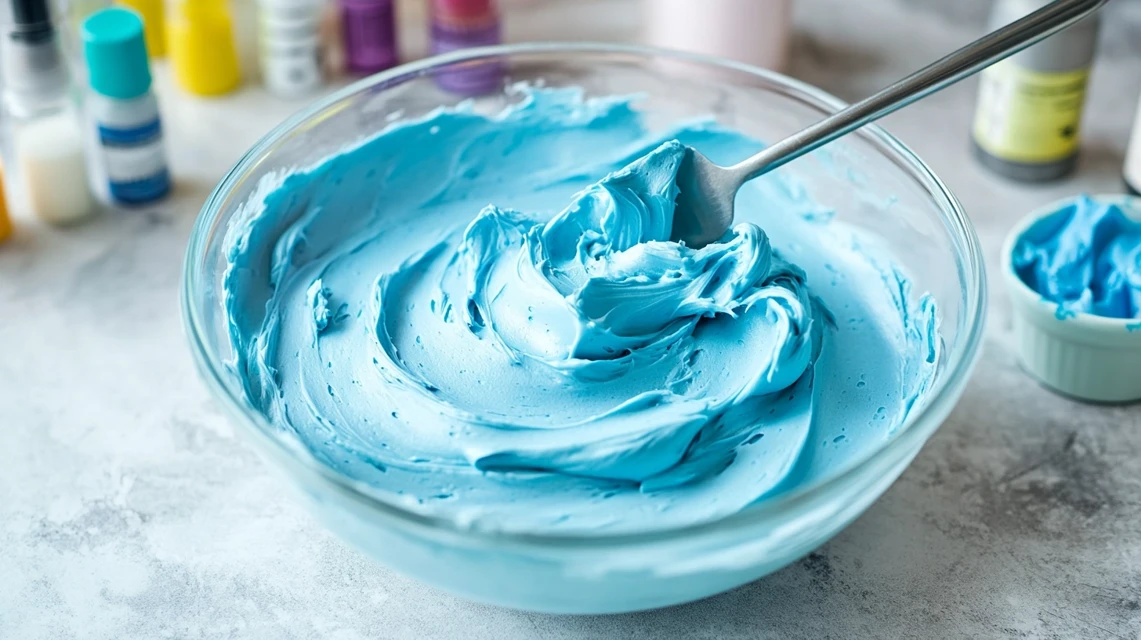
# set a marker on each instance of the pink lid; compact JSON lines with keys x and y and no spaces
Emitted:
{"x":463,"y":10}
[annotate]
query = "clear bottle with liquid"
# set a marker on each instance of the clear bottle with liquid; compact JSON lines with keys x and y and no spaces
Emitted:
{"x":45,"y":161}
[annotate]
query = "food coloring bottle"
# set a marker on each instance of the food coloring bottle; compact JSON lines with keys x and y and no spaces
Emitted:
{"x":6,"y":228}
{"x":1027,"y":122}
{"x":123,"y":110}
{"x":43,"y":142}
{"x":289,"y":43}
{"x":460,"y":24}
{"x":200,"y":43}
{"x":369,"y":35}
{"x":332,"y":40}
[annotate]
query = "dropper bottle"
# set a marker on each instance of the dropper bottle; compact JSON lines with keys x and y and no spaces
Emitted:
{"x":123,"y":112}
{"x":369,"y":35}
{"x":44,"y":154}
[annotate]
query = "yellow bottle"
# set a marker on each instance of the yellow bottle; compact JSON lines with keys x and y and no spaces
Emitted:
{"x":5,"y":221}
{"x":152,"y":13}
{"x":200,"y":43}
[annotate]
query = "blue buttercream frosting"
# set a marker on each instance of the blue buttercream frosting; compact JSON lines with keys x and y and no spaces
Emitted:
{"x":1086,"y":257}
{"x":483,"y":318}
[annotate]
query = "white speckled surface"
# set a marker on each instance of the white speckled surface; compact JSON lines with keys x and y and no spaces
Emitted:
{"x":130,"y":508}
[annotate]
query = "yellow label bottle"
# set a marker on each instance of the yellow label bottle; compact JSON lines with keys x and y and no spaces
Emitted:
{"x":1028,"y":121}
{"x":1029,"y":116}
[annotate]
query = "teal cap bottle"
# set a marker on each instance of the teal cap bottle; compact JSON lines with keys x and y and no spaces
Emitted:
{"x":116,"y":52}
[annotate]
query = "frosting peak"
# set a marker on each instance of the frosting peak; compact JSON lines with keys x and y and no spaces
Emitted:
{"x":596,"y":292}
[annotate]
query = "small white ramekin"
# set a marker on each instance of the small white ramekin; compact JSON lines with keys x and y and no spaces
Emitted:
{"x":1085,"y":356}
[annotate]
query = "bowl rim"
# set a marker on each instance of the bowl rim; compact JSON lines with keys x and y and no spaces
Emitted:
{"x":907,"y":438}
{"x":1030,"y":301}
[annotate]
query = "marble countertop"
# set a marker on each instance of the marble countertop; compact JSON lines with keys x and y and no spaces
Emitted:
{"x":130,"y":508}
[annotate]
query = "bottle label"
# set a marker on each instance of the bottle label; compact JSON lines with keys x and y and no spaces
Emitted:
{"x":135,"y":162}
{"x":293,"y":74}
{"x":1029,"y":116}
{"x":292,"y":67}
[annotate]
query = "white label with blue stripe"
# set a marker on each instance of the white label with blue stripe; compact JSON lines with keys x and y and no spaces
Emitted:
{"x":135,"y":162}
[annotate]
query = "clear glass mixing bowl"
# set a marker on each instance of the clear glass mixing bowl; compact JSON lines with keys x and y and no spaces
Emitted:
{"x":926,"y":230}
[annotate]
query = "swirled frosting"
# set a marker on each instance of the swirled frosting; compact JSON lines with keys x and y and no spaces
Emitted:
{"x":482,"y":317}
{"x":1086,"y":257}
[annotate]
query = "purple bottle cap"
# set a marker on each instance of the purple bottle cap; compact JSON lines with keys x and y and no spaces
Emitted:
{"x":369,"y":28}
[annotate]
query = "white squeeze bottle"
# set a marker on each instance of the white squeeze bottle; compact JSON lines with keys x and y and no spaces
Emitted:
{"x":756,"y":32}
{"x":45,"y":159}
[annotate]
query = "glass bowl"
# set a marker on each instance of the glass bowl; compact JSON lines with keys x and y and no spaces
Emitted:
{"x":925,"y":228}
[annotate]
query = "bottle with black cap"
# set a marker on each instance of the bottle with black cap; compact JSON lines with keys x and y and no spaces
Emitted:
{"x":34,"y":73}
{"x":44,"y":152}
